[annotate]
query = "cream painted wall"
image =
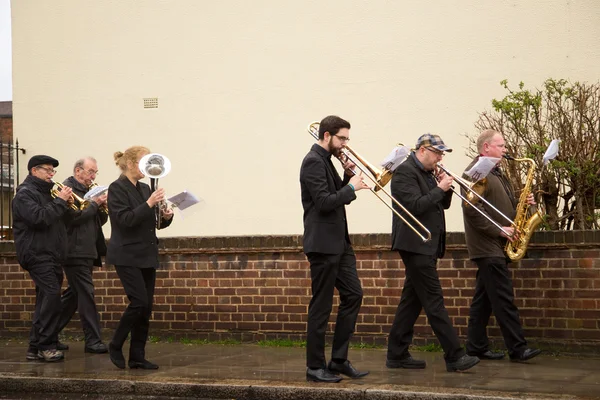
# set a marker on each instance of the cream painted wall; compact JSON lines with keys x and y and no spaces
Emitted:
{"x":239,"y":81}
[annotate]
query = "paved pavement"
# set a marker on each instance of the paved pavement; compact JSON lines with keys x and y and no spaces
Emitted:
{"x":254,"y":372}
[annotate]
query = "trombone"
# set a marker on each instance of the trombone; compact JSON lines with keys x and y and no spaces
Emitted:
{"x":472,"y":193}
{"x":380,"y":179}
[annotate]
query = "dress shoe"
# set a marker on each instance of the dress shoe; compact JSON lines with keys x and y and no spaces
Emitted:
{"x":462,"y":364}
{"x":97,"y":348}
{"x":528,"y":354}
{"x":144,"y":364}
{"x":32,"y":354}
{"x":347,"y":369}
{"x":489,"y":355}
{"x":116,"y":356}
{"x":61,"y":346}
{"x":407,"y":362}
{"x":321,"y":375}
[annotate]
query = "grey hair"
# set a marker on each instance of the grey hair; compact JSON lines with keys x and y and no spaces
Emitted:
{"x":485,"y":137}
{"x":79,"y":163}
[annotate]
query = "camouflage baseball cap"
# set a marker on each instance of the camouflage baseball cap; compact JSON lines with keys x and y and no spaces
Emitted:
{"x":429,"y":140}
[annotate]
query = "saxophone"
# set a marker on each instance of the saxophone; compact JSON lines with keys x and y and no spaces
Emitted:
{"x":523,"y":224}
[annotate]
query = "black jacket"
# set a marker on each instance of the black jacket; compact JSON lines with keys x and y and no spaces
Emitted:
{"x":84,"y":228}
{"x":416,"y":189}
{"x":133,"y":240}
{"x":324,"y":195}
{"x":38,"y":225}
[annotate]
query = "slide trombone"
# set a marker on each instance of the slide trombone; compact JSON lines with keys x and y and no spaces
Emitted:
{"x":379,"y":179}
{"x":474,"y":196}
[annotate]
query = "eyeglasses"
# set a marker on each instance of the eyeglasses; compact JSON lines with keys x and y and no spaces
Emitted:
{"x":48,"y":170}
{"x":343,"y":138}
{"x":436,"y":152}
{"x":91,"y":171}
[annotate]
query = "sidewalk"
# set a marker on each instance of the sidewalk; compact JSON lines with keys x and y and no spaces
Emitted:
{"x":254,"y":372}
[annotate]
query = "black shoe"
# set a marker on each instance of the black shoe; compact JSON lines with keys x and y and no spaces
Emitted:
{"x":98,"y":348}
{"x":489,"y":355}
{"x":61,"y":346}
{"x":408,"y":362}
{"x":347,"y":369}
{"x":144,"y":364}
{"x":32,"y":355}
{"x":462,"y":364}
{"x":528,"y":354}
{"x":321,"y":375}
{"x":116,"y":356}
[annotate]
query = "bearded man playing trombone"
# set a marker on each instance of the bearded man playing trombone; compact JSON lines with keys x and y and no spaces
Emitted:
{"x":485,"y":243}
{"x":86,"y":246}
{"x":329,"y":251}
{"x":41,"y":245}
{"x":425,"y":196}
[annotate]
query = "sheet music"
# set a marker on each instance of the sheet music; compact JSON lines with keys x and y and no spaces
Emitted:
{"x":184,"y":200}
{"x":482,"y":168}
{"x":551,"y":151}
{"x":396,"y":157}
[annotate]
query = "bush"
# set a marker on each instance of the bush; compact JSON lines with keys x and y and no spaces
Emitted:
{"x":568,"y":187}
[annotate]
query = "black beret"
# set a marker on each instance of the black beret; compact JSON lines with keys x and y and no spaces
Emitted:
{"x":41,"y":160}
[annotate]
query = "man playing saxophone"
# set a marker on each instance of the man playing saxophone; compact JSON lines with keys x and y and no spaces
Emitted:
{"x":485,"y":244}
{"x":86,"y":246}
{"x":41,"y":245}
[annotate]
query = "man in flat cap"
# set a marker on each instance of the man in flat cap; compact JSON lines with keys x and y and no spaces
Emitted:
{"x":425,"y":194}
{"x":41,"y":244}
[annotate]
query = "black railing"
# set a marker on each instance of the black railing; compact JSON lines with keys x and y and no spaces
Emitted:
{"x":9,"y":179}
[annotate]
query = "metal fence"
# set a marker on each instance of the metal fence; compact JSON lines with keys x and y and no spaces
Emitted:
{"x":9,"y":179}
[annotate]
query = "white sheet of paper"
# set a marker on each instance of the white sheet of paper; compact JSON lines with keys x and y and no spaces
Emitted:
{"x":184,"y":200}
{"x":551,"y":151}
{"x":396,"y":157}
{"x":482,"y":168}
{"x":95,"y":192}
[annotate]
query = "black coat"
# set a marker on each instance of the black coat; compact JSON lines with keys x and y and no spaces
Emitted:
{"x":84,"y":227}
{"x":324,"y":195}
{"x":133,"y":240}
{"x":38,"y":226}
{"x":416,"y":189}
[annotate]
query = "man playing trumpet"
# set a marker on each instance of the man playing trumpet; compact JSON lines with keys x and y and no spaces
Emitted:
{"x":41,"y":245}
{"x":86,"y":246}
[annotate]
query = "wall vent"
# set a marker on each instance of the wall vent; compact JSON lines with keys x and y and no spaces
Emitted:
{"x":151,"y":102}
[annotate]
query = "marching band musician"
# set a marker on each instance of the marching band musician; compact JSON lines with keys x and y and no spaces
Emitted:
{"x":485,"y":243}
{"x":41,"y":243}
{"x":86,"y":246}
{"x":329,"y":251}
{"x":415,"y":187}
{"x":133,"y":250}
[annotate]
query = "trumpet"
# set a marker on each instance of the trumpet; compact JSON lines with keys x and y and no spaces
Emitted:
{"x":379,"y":179}
{"x":74,"y":198}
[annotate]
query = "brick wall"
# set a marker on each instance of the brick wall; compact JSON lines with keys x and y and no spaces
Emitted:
{"x":253,"y":288}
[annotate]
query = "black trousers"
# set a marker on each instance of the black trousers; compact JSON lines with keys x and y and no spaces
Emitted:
{"x":329,"y":271}
{"x":139,"y":287}
{"x":48,"y":280}
{"x":422,"y":290}
{"x":79,"y":296}
{"x":494,"y":292}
